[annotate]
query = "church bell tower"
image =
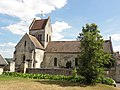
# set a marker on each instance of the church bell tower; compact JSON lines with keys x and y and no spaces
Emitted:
{"x":42,"y":30}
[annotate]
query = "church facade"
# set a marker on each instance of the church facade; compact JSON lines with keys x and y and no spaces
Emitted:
{"x":36,"y":50}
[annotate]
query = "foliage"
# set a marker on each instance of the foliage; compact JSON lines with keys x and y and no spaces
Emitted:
{"x":79,"y":79}
{"x":92,"y":58}
{"x":74,"y":72}
{"x":110,"y":63}
{"x":105,"y":80}
{"x":46,"y":76}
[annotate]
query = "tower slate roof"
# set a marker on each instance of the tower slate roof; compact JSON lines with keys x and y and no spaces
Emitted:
{"x":3,"y":62}
{"x":38,"y":24}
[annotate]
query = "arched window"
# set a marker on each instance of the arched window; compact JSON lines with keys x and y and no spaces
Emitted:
{"x":76,"y":61}
{"x":47,"y":38}
{"x":23,"y":58}
{"x":55,"y":61}
{"x":40,"y":37}
{"x":34,"y":65}
{"x":25,"y":44}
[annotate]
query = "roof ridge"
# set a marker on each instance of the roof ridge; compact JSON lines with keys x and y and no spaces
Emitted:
{"x":65,"y":41}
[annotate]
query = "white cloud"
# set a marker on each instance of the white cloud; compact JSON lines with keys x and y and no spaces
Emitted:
{"x":57,"y":28}
{"x":26,"y":10}
{"x":7,"y":49}
{"x":116,"y":48}
{"x":116,"y":37}
{"x":7,"y":52}
{"x":29,"y":8}
{"x":19,"y":28}
{"x":9,"y":44}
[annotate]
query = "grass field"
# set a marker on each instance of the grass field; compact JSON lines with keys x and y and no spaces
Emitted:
{"x":16,"y":83}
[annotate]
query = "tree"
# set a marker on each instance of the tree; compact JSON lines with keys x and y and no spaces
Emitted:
{"x":92,"y":58}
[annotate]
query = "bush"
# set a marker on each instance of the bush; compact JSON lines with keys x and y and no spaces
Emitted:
{"x":105,"y":80}
{"x":46,"y":76}
{"x":74,"y":72}
{"x":74,"y":78}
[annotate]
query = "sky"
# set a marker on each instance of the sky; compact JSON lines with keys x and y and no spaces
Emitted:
{"x":67,"y":18}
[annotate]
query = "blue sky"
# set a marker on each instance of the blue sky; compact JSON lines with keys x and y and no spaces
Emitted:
{"x":67,"y":18}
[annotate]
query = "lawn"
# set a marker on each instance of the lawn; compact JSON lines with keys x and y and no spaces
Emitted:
{"x":17,"y":83}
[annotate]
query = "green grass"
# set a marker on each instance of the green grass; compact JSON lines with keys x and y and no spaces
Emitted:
{"x":9,"y":78}
{"x":17,"y":83}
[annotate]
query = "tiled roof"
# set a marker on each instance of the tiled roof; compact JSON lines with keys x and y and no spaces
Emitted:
{"x":36,"y":42}
{"x":63,"y":46}
{"x":72,"y":46}
{"x":3,"y":62}
{"x":38,"y":24}
{"x":107,"y":46}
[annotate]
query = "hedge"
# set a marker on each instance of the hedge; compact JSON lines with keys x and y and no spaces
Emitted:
{"x":80,"y":79}
{"x":45,"y":76}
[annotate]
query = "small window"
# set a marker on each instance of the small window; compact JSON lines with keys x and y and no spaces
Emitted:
{"x":55,"y":61}
{"x":47,"y":38}
{"x":23,"y":58}
{"x":34,"y":65}
{"x":40,"y":37}
{"x":25,"y":44}
{"x":76,"y":61}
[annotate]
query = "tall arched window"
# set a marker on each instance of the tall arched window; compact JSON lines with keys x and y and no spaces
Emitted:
{"x":76,"y":61}
{"x":40,"y":37}
{"x":23,"y":58}
{"x":25,"y":44}
{"x":47,"y":38}
{"x":55,"y":61}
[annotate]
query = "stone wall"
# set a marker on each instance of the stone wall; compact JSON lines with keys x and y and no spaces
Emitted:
{"x":49,"y":71}
{"x":48,"y":31}
{"x":22,"y":50}
{"x":62,"y":59}
{"x":114,"y":73}
{"x":25,"y":51}
{"x":38,"y":57}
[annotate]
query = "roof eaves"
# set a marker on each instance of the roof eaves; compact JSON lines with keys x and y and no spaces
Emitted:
{"x":40,"y":48}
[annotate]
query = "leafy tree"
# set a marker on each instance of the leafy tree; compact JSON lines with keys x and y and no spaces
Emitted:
{"x":92,"y":58}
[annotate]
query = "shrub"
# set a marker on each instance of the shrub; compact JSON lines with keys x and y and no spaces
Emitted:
{"x":80,"y":79}
{"x":74,"y":72}
{"x":105,"y":80}
{"x":46,"y":76}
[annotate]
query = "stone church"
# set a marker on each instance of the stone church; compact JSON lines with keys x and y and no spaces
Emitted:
{"x":36,"y":50}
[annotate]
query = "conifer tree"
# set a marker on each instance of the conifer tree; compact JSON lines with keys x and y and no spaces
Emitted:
{"x":92,"y":58}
